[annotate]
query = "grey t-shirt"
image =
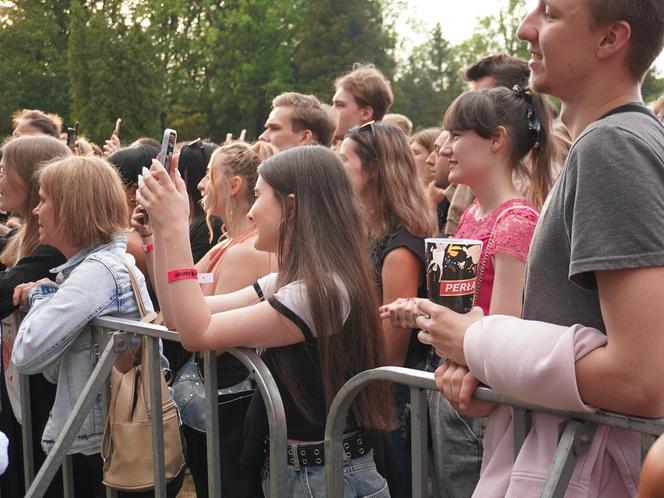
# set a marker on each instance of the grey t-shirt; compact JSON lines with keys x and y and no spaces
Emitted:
{"x":605,"y":212}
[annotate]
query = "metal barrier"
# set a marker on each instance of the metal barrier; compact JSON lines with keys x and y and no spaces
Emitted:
{"x":575,"y":438}
{"x":115,"y":340}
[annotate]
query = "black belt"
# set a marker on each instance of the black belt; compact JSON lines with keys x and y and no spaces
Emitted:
{"x":308,"y":454}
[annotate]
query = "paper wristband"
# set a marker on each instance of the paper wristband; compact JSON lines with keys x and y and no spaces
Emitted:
{"x":206,"y":278}
{"x":183,"y":274}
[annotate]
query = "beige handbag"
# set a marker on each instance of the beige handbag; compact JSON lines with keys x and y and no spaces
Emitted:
{"x":127,"y":444}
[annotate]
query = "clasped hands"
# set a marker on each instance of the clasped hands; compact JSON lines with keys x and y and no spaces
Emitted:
{"x":445,"y":330}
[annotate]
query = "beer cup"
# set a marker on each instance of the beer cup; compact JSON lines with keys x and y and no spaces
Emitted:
{"x":451,"y":266}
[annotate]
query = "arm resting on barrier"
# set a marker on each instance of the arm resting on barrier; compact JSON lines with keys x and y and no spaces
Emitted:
{"x":625,"y":375}
{"x":529,"y":361}
{"x":57,"y":315}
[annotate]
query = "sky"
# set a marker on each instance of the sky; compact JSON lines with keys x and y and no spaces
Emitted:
{"x":458,"y":19}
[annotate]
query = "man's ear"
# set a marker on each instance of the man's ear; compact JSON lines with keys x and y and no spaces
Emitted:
{"x":615,"y":38}
{"x":366,"y":113}
{"x":290,"y":215}
{"x":307,"y":136}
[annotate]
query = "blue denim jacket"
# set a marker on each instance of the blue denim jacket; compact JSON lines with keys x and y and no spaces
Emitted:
{"x":55,"y":337}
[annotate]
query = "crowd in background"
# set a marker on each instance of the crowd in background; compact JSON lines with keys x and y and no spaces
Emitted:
{"x":308,"y":245}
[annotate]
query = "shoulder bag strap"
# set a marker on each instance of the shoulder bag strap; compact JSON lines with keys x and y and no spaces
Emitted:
{"x":137,"y":292}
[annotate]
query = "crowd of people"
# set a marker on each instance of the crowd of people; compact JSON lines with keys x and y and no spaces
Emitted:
{"x":308,"y":246}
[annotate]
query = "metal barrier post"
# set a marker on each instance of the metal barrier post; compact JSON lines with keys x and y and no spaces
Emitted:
{"x":92,"y":388}
{"x":105,"y":400}
{"x":155,"y":376}
{"x":211,"y":424}
{"x":575,"y":440}
{"x":275,"y":415}
{"x":522,"y":422}
{"x":418,"y":442}
{"x":336,"y":419}
{"x":68,"y":477}
{"x":26,"y":430}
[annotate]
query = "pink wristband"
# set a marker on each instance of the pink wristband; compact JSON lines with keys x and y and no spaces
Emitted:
{"x":182,"y":274}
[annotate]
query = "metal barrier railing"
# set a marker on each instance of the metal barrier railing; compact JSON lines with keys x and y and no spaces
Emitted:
{"x":115,"y":340}
{"x":575,"y":438}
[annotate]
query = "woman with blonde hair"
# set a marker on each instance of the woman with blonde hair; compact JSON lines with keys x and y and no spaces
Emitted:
{"x":82,"y":212}
{"x":24,"y":259}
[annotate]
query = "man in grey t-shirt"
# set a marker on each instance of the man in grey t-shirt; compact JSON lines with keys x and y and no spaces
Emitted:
{"x":597,"y":257}
{"x":605,"y":212}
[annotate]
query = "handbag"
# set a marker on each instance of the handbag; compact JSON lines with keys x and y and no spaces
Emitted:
{"x":127,"y":443}
{"x":189,"y":395}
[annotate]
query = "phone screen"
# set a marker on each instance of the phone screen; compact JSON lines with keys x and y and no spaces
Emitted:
{"x":167,"y":147}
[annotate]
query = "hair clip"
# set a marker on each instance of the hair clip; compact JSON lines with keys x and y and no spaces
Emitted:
{"x":534,"y":124}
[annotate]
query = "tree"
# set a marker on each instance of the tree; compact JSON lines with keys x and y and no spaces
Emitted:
{"x":336,"y":34}
{"x":113,"y":73}
{"x":33,"y":58}
{"x":248,"y":54}
{"x":430,"y":81}
{"x":496,"y":34}
{"x":653,"y":86}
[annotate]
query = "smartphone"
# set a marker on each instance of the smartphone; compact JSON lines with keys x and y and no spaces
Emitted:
{"x":167,"y":148}
{"x":116,"y":131}
{"x":72,"y":136}
{"x":165,"y":156}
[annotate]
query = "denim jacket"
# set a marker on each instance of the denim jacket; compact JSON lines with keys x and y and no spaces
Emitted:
{"x":55,"y":337}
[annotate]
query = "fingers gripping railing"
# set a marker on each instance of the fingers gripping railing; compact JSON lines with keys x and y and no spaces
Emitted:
{"x":575,"y":439}
{"x":115,"y":341}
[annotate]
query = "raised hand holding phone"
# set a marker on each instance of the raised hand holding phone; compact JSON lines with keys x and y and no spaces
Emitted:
{"x":164,"y":197}
{"x":165,"y":158}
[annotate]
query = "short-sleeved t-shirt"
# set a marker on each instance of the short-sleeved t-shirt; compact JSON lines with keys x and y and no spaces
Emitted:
{"x":605,"y":212}
{"x":508,"y":229}
{"x":292,"y":301}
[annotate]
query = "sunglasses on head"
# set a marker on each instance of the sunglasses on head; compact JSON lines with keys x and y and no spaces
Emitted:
{"x":369,"y":128}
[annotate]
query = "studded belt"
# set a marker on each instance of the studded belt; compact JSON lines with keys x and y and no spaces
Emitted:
{"x":307,"y":454}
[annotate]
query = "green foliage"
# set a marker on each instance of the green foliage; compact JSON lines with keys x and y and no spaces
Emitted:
{"x":653,"y":86}
{"x":430,"y":82}
{"x":209,"y":67}
{"x":249,"y":56}
{"x":496,"y":34}
{"x":33,"y":59}
{"x":337,"y":34}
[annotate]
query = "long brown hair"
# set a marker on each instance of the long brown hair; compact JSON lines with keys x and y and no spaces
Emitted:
{"x":485,"y":110}
{"x":393,"y":192}
{"x":25,"y":156}
{"x":321,"y":244}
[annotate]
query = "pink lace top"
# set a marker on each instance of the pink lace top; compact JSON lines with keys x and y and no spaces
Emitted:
{"x":513,"y":232}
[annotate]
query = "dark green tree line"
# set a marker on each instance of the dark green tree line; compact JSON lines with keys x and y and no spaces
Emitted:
{"x":208,"y":67}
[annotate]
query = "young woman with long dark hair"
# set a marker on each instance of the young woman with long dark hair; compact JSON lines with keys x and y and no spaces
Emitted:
{"x":314,"y":316}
